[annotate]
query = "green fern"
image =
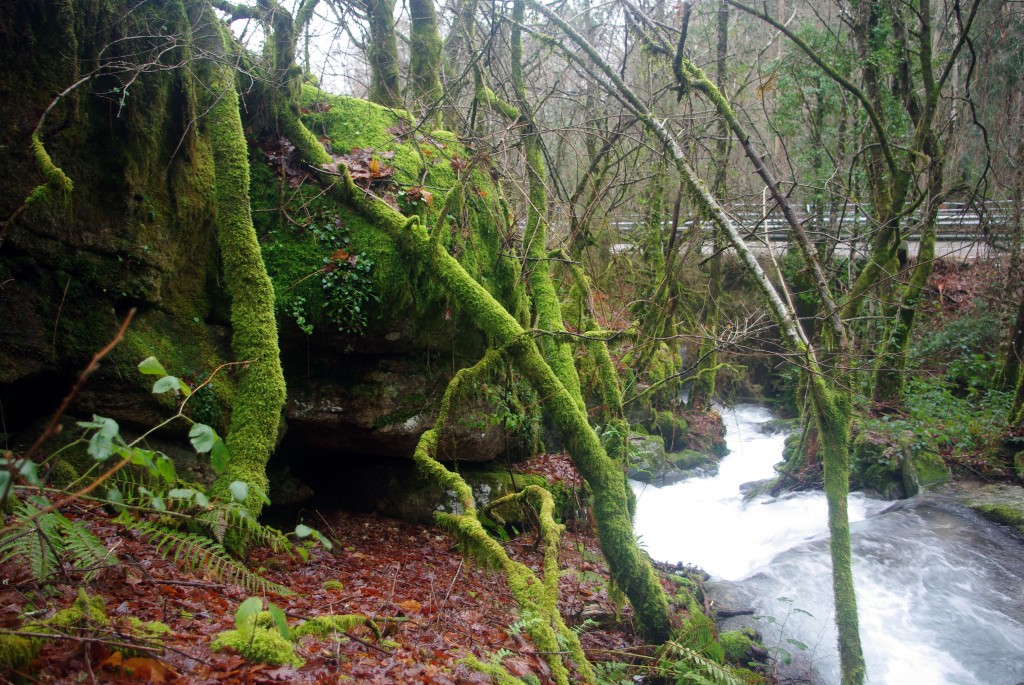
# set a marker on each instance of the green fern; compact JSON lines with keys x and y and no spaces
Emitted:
{"x":198,"y":553}
{"x":52,"y":542}
{"x":220,"y":519}
{"x":688,"y":666}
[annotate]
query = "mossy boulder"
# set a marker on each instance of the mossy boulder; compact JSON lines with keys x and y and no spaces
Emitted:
{"x":740,"y":646}
{"x":894,"y":467}
{"x":877,"y":465}
{"x":650,"y":463}
{"x":672,"y":429}
{"x":135,"y":230}
{"x":367,"y":353}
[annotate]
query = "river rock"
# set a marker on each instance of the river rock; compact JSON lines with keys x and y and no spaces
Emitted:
{"x":651,"y":464}
{"x":998,"y":502}
{"x":894,"y":469}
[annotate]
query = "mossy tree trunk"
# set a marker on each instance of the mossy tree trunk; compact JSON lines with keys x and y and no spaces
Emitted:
{"x":831,"y":403}
{"x":547,"y":308}
{"x":1009,"y":372}
{"x":703,"y":389}
{"x":629,"y":566}
{"x":385,"y":88}
{"x":424,"y":58}
{"x":260,"y":393}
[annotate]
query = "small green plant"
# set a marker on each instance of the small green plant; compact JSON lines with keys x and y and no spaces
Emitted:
{"x":346,"y":281}
{"x":780,"y":653}
{"x":256,"y":638}
{"x":135,"y":482}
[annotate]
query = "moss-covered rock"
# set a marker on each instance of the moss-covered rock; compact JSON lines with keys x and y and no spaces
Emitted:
{"x":739,"y":645}
{"x":1005,"y":514}
{"x":877,"y":465}
{"x":894,"y":467}
{"x":672,"y":429}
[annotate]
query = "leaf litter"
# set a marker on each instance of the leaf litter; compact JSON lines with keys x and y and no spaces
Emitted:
{"x":434,"y":607}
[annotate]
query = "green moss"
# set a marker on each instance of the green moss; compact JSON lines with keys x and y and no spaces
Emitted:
{"x":261,"y":392}
{"x":17,"y":652}
{"x":85,"y":612}
{"x":333,"y":624}
{"x":333,"y":585}
{"x":262,"y":646}
{"x":672,"y":429}
{"x":737,"y":645}
{"x":152,"y":629}
{"x":292,"y":252}
{"x":1003,"y":513}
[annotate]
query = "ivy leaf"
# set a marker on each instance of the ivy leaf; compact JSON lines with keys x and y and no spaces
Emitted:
{"x":101,"y":444}
{"x":202,"y":500}
{"x":239,"y":490}
{"x":245,"y":616}
{"x":280,"y":621}
{"x":203,"y":437}
{"x":5,"y":481}
{"x":166,"y":384}
{"x":158,"y":503}
{"x":303,"y":531}
{"x":181,"y":493}
{"x":150,"y":366}
{"x":219,"y":456}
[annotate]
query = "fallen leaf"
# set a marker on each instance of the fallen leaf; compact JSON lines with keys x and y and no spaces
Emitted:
{"x":410,"y":605}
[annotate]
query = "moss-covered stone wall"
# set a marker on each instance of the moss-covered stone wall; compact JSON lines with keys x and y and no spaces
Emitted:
{"x":135,"y":231}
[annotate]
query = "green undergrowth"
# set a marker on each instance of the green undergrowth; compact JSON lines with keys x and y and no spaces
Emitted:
{"x":949,"y":403}
{"x":264,"y":637}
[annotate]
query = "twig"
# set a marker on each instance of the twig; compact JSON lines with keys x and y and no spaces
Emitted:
{"x":56,"y":321}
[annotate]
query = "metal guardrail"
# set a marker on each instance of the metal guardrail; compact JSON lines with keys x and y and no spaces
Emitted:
{"x":956,"y":222}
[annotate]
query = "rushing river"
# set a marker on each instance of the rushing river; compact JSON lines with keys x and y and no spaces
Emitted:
{"x":940,"y":590}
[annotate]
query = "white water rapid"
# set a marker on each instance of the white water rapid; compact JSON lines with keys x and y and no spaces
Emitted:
{"x":940,"y":590}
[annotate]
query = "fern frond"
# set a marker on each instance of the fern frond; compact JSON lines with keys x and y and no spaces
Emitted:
{"x":26,"y":543}
{"x":690,"y":666}
{"x":85,"y":550}
{"x":221,"y":519}
{"x":50,"y":540}
{"x":198,"y":553}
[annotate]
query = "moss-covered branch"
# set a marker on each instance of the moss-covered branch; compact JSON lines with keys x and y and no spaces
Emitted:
{"x":535,"y":596}
{"x":629,"y":566}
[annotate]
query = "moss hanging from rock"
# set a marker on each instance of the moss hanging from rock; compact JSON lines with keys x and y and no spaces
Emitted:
{"x":261,"y":392}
